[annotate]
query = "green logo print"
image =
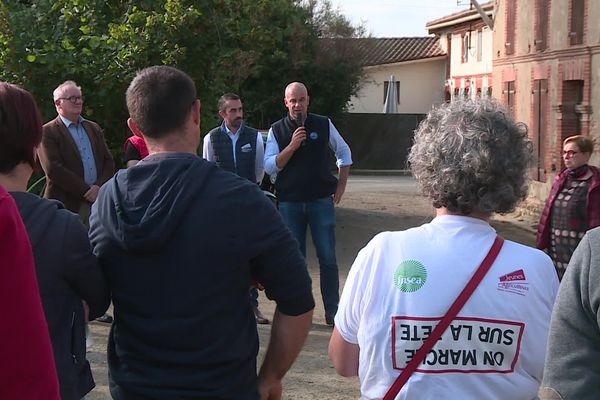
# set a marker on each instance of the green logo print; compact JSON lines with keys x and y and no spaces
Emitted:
{"x":410,"y":276}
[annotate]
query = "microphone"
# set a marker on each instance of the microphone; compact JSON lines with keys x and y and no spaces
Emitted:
{"x":300,"y":124}
{"x":299,"y":119}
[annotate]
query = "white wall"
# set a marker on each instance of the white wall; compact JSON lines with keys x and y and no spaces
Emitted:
{"x":421,"y":87}
{"x":472,"y":66}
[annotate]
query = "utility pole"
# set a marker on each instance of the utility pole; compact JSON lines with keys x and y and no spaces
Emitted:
{"x":484,"y":16}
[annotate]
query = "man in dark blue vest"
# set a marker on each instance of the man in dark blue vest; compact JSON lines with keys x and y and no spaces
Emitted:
{"x":298,"y":148}
{"x":237,"y":148}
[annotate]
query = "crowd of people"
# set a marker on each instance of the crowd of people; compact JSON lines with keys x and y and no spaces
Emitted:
{"x":180,"y":244}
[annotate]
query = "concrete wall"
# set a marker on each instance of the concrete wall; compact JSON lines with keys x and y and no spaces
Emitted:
{"x":379,"y":141}
{"x":421,"y":87}
{"x":595,"y":103}
{"x":593,"y":27}
{"x":559,"y":25}
{"x":593,"y":36}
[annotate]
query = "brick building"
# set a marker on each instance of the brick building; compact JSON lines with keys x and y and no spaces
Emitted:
{"x":546,"y":68}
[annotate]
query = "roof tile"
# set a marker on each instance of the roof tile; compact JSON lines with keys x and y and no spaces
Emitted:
{"x":380,"y":51}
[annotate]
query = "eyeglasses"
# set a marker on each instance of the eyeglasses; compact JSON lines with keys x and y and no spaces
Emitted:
{"x":73,"y":99}
{"x":570,"y":153}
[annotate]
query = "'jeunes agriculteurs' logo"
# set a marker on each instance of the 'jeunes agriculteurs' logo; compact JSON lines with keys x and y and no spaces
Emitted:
{"x":410,"y":276}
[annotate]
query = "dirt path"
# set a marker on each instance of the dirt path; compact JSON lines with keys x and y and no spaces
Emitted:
{"x":366,"y":210}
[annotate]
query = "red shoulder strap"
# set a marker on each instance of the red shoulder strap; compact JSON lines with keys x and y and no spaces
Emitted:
{"x":446,"y":320}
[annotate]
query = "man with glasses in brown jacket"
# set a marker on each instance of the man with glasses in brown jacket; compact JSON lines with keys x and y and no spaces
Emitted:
{"x":73,"y":153}
{"x":74,"y":156}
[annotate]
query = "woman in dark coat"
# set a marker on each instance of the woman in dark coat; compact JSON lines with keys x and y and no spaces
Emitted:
{"x":68,"y":275}
{"x":573,"y":206}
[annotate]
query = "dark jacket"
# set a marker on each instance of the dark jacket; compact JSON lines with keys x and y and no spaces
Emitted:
{"x":180,"y":240}
{"x":67,"y":273}
{"x":307,"y":175}
{"x":592,"y":210}
{"x":61,"y":162}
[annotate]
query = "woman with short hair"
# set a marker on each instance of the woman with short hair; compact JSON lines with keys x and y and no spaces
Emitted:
{"x":470,"y":159}
{"x":67,"y":271}
{"x":573,"y":206}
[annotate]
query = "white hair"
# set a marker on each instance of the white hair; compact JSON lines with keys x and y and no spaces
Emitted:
{"x":60,"y":89}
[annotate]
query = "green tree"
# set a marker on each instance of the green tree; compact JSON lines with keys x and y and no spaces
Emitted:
{"x":252,"y":47}
{"x":98,"y":44}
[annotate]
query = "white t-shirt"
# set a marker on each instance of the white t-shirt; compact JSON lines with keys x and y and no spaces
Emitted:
{"x":402,"y":283}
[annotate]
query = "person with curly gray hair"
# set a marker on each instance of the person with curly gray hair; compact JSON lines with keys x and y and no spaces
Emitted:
{"x":470,"y":159}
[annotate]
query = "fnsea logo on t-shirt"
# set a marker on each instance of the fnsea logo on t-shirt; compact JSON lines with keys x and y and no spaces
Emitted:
{"x":410,"y":276}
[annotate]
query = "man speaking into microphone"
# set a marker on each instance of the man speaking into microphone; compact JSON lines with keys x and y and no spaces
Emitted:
{"x":298,"y":147}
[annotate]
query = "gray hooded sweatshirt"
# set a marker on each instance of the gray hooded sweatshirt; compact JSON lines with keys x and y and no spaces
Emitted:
{"x":572,"y":369}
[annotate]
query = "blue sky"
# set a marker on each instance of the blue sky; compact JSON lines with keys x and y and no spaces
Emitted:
{"x":396,"y":18}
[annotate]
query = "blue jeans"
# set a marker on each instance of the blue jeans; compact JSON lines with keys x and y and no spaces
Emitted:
{"x":320,"y":216}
